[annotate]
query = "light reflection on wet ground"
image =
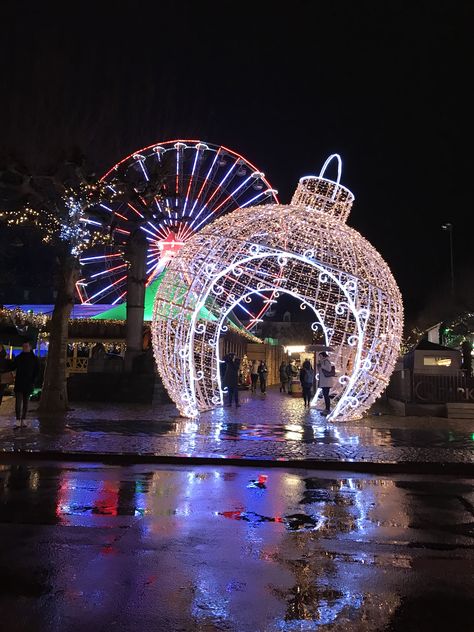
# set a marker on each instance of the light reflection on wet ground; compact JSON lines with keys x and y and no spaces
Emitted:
{"x":276,"y":426}
{"x":230,"y":549}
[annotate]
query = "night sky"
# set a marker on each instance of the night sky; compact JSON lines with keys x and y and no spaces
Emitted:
{"x":384,"y":84}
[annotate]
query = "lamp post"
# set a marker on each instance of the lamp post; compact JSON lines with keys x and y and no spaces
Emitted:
{"x":449,"y":227}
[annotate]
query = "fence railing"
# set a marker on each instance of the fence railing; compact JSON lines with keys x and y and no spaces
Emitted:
{"x":442,"y":388}
{"x":77,"y":365}
{"x":427,"y":388}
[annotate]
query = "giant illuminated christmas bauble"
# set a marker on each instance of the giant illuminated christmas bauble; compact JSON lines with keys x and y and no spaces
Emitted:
{"x":304,"y":249}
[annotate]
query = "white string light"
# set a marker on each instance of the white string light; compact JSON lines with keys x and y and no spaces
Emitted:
{"x":304,"y":249}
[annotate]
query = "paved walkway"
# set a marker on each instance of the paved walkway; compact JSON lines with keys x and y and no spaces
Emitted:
{"x":273,"y":427}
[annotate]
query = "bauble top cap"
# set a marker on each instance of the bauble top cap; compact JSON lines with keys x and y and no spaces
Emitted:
{"x":325,"y":195}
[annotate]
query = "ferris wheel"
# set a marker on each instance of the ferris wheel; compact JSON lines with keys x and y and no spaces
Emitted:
{"x":180,"y":186}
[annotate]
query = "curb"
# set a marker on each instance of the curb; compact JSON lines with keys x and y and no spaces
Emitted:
{"x":369,"y":467}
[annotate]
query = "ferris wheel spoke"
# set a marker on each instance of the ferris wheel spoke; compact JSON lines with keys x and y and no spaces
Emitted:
{"x":215,"y":193}
{"x":252,"y":200}
{"x":180,"y":147}
{"x":158,"y":205}
{"x":229,"y":198}
{"x":90,"y":260}
{"x":79,"y":285}
{"x":206,"y":180}
{"x":142,"y":165}
{"x":186,"y":232}
{"x":119,"y":298}
{"x":190,"y":181}
{"x":154,"y":228}
{"x":108,"y":271}
{"x":232,"y":195}
{"x":145,"y":230}
{"x":108,"y":287}
{"x":117,"y":214}
{"x":135,"y":210}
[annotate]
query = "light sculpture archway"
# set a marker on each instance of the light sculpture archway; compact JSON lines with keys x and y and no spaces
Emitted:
{"x":304,"y":249}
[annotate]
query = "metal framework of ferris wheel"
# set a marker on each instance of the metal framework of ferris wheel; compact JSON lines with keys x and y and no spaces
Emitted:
{"x":180,"y":186}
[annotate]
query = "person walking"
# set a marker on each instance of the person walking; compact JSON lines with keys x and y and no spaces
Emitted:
{"x":327,"y":374}
{"x":307,"y":380}
{"x":262,"y":373}
{"x":283,"y":377}
{"x":254,"y":376}
{"x":231,"y":378}
{"x":27,"y":369}
{"x":290,"y":371}
{"x":3,"y":369}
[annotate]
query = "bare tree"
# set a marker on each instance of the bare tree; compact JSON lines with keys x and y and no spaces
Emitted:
{"x":58,"y":205}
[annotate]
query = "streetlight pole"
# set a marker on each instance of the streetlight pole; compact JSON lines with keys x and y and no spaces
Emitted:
{"x":449,"y":227}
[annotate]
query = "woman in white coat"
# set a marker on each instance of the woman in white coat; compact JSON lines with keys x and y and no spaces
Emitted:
{"x":326,"y":379}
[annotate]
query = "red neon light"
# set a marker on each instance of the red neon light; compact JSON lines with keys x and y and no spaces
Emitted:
{"x":212,"y":196}
{"x":122,"y":216}
{"x":170,"y":142}
{"x":79,"y":291}
{"x":205,"y":181}
{"x":167,"y":142}
{"x":130,"y":205}
{"x":122,"y":265}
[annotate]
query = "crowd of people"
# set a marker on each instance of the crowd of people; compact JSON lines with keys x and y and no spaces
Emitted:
{"x":309,"y":379}
{"x":231,"y":374}
{"x":24,"y":370}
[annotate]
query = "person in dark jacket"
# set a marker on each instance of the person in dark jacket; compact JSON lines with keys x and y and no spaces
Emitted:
{"x":254,"y":375}
{"x":283,"y":377}
{"x":27,"y":370}
{"x":231,"y":378}
{"x":291,"y":373}
{"x":262,"y":373}
{"x":307,"y":379}
{"x":3,"y":369}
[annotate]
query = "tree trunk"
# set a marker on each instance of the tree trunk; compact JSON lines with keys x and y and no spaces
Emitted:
{"x":136,"y":285}
{"x":54,"y":392}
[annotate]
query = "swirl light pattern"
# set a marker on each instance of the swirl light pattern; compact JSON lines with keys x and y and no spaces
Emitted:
{"x":304,"y":249}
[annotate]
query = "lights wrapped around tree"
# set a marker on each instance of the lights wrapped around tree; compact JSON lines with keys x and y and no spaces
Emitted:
{"x":72,"y":221}
{"x":304,"y":249}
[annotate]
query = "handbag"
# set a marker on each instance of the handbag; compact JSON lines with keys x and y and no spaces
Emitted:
{"x":331,"y":373}
{"x":8,"y":377}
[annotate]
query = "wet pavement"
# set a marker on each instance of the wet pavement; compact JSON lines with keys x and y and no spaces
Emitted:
{"x":274,"y":427}
{"x":236,"y":549}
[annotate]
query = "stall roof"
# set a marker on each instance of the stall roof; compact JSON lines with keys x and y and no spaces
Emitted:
{"x":426,"y":345}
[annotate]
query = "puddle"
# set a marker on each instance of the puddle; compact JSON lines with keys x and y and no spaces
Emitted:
{"x":247,"y":516}
{"x":293,"y":522}
{"x":318,"y":603}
